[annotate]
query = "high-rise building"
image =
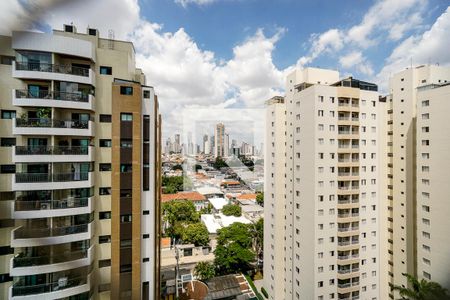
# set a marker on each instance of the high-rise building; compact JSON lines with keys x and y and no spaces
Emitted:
{"x":80,"y":164}
{"x":329,"y":191}
{"x":226,"y":145}
{"x":177,"y":143}
{"x":206,"y":145}
{"x":408,"y":248}
{"x":219,"y":140}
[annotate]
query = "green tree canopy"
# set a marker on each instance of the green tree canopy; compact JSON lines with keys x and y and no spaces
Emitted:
{"x":232,"y":210}
{"x":178,"y":214}
{"x":233,"y":252}
{"x":204,"y":270}
{"x":260,"y":199}
{"x":173,"y":184}
{"x":421,"y":290}
{"x":219,"y":163}
{"x":196,"y":234}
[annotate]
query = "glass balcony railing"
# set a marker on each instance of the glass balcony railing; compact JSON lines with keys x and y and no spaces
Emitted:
{"x":28,"y":261}
{"x":52,"y":123}
{"x":21,"y":289}
{"x":42,"y":67}
{"x":53,"y":95}
{"x":51,"y":150}
{"x":29,"y":233}
{"x":30,"y":205}
{"x":48,"y":177}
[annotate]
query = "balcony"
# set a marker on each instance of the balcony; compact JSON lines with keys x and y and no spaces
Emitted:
{"x":53,"y":99}
{"x":55,"y":181}
{"x":32,"y":209}
{"x":32,"y":154}
{"x":348,"y":287}
{"x":52,"y":127}
{"x":62,"y":288}
{"x":22,"y":265}
{"x":30,"y":237}
{"x":44,"y":71}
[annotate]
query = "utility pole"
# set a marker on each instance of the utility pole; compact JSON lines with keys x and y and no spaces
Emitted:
{"x":177,"y":272}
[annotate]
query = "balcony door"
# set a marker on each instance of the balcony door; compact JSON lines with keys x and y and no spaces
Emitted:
{"x":37,"y":91}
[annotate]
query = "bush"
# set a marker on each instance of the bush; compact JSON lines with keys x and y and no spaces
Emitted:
{"x":232,"y":210}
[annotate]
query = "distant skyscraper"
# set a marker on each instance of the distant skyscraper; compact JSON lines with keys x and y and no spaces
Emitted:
{"x":219,"y":143}
{"x":226,"y":146}
{"x":206,"y":145}
{"x":177,"y":144}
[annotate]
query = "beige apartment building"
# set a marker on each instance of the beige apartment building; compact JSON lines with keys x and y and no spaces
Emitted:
{"x":80,"y":164}
{"x":324,"y":188}
{"x":417,"y":238}
{"x":219,"y":140}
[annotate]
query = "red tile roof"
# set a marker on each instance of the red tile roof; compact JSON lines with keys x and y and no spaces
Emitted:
{"x":246,"y":196}
{"x":191,"y":196}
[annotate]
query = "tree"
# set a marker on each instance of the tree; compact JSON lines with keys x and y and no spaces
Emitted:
{"x":233,"y":252}
{"x":177,"y":214}
{"x":177,"y":167}
{"x":173,"y":184}
{"x":197,"y":167}
{"x":232,"y":210}
{"x":421,"y":290}
{"x":206,"y":210}
{"x":196,"y":234}
{"x":204,"y":270}
{"x":219,"y":163}
{"x":260,"y":199}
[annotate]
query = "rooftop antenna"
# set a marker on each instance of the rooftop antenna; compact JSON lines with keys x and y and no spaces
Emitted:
{"x":111,"y":39}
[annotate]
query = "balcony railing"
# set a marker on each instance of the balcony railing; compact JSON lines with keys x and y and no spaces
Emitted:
{"x":53,"y":95}
{"x":47,"y":177}
{"x":19,"y":289}
{"x":29,"y":233}
{"x":52,"y":150}
{"x":347,"y":243}
{"x":51,"y":123}
{"x":345,"y":229}
{"x":346,"y":271}
{"x":24,"y":205}
{"x":42,"y":67}
{"x":28,"y":261}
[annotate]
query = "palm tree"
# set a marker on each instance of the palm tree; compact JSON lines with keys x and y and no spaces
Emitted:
{"x":421,"y":290}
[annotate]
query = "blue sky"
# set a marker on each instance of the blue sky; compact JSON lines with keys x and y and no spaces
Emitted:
{"x":214,"y":55}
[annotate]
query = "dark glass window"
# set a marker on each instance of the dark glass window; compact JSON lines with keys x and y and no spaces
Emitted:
{"x":126,"y":117}
{"x":5,"y":250}
{"x":5,"y":278}
{"x":105,"y":70}
{"x":6,"y":60}
{"x":146,"y":259}
{"x":104,"y":191}
{"x":125,"y":243}
{"x":146,"y":212}
{"x":8,"y":114}
{"x":8,"y":169}
{"x":125,"y":268}
{"x":105,"y":143}
{"x":146,"y":236}
{"x":125,"y":168}
{"x":92,"y":31}
{"x":126,"y":143}
{"x":103,"y":215}
{"x":104,"y":239}
{"x":146,"y":94}
{"x":125,"y":218}
{"x":8,"y":142}
{"x":105,"y":118}
{"x":104,"y":263}
{"x":126,"y":90}
{"x":105,"y":167}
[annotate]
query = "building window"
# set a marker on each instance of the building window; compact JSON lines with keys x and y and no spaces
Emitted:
{"x":104,"y":215}
{"x":126,"y":90}
{"x":6,"y":60}
{"x":104,"y":263}
{"x":8,"y":142}
{"x":146,"y":259}
{"x":126,"y":143}
{"x":105,"y":118}
{"x":146,"y":94}
{"x":125,"y":168}
{"x":8,"y":169}
{"x":5,"y":250}
{"x":126,"y":117}
{"x":125,"y":218}
{"x":8,"y":114}
{"x":104,"y":191}
{"x":105,"y":143}
{"x":146,"y":212}
{"x":146,"y":236}
{"x":105,"y":70}
{"x":104,"y":239}
{"x":5,"y":278}
{"x":425,"y":103}
{"x":104,"y":167}
{"x":125,"y":243}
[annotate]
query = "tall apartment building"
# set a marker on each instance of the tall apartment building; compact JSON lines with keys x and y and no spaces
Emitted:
{"x":332,"y":180}
{"x":80,"y":165}
{"x":219,"y":140}
{"x":408,"y":248}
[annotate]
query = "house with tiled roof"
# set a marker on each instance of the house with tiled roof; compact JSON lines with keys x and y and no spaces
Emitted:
{"x":198,"y":199}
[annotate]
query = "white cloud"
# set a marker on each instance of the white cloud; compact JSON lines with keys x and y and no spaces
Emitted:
{"x":351,"y":59}
{"x":331,"y":40}
{"x":432,"y":46}
{"x":185,"y":3}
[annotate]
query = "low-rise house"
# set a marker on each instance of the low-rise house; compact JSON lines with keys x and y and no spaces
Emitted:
{"x":198,"y":199}
{"x":253,"y":212}
{"x":218,"y":203}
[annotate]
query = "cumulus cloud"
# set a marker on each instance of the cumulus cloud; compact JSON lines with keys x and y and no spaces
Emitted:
{"x":185,"y":3}
{"x":331,"y":40}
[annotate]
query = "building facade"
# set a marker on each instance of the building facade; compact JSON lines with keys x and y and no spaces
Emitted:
{"x":80,"y":165}
{"x":219,"y":140}
{"x":333,"y":178}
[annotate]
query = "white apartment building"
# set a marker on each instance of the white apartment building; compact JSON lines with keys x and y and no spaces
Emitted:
{"x":406,"y":246}
{"x":333,"y":179}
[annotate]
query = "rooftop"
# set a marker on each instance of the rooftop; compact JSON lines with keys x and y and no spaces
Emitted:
{"x":355,"y":83}
{"x":215,"y":222}
{"x":191,"y":196}
{"x":218,"y":203}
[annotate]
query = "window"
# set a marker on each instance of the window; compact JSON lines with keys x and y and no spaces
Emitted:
{"x":8,"y":169}
{"x":104,"y":167}
{"x":145,"y":259}
{"x":146,"y":94}
{"x":425,"y":116}
{"x":105,"y":143}
{"x":126,"y":90}
{"x":125,"y":218}
{"x":125,"y":168}
{"x":425,"y":103}
{"x":5,"y":278}
{"x":126,"y":117}
{"x":105,"y":118}
{"x":126,"y":143}
{"x":105,"y":70}
{"x":6,"y":60}
{"x":8,"y":114}
{"x":104,"y":191}
{"x":104,"y":215}
{"x":146,"y":236}
{"x":146,"y":212}
{"x":104,"y":263}
{"x":8,"y":142}
{"x":104,"y":239}
{"x":5,"y":250}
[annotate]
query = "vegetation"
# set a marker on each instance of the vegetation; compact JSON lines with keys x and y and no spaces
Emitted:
{"x":204,"y":270}
{"x":421,"y":290}
{"x":257,"y":234}
{"x":177,"y":167}
{"x":219,"y":163}
{"x":260,"y":199}
{"x":175,"y":184}
{"x":234,"y":249}
{"x":196,"y":234}
{"x":263,"y":290}
{"x":252,"y":285}
{"x":232,"y":210}
{"x":206,"y":210}
{"x":177,"y":214}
